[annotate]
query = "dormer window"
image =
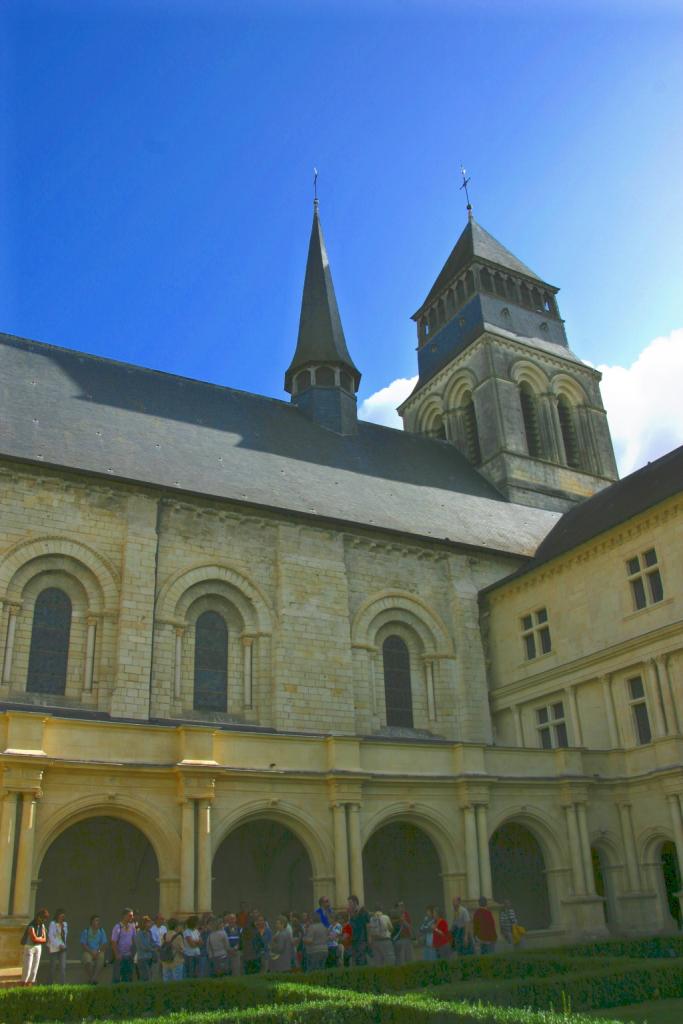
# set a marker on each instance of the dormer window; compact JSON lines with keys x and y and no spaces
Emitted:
{"x":324,"y":377}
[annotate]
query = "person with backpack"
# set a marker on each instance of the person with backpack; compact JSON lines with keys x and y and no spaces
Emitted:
{"x":33,"y":940}
{"x":379,"y":936}
{"x":172,"y":952}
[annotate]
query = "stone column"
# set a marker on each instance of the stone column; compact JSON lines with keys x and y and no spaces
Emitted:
{"x":670,"y":708}
{"x":575,"y":849}
{"x":187,"y":867}
{"x":204,"y":859}
{"x":341,"y":855}
{"x":483,"y":847}
{"x":178,"y":666}
{"x":549,"y":422}
{"x":8,"y":818}
{"x":24,"y":870}
{"x":9,"y":646}
{"x":248,"y":663}
{"x":431,"y":698}
{"x":630,"y":854}
{"x":471,"y":856}
{"x":610,"y":713}
{"x":574,"y":716}
{"x":519,"y":729}
{"x":355,"y":852}
{"x":584,"y":838}
{"x":655,"y":698}
{"x":89,"y":653}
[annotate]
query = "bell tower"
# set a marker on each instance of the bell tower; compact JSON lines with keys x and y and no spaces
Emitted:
{"x":498,"y":380}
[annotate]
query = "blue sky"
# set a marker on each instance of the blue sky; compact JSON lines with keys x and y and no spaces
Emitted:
{"x":156,"y":163}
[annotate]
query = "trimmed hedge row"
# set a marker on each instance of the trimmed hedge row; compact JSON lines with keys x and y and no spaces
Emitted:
{"x":654,"y":948}
{"x":426,"y":973}
{"x":360,"y":1008}
{"x":77,"y":1002}
{"x":615,"y":984}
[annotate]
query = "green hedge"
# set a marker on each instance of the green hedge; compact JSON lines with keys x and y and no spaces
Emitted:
{"x":615,"y":984}
{"x":80,"y":1002}
{"x":360,"y":1008}
{"x":661,"y":946}
{"x":425,"y":973}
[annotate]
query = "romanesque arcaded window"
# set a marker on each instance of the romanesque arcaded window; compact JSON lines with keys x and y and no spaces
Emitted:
{"x":532,"y":429}
{"x":471,"y":430}
{"x":645,"y":579}
{"x":211,"y":663}
{"x":49,"y":653}
{"x":397,"y":688}
{"x":568,"y":428}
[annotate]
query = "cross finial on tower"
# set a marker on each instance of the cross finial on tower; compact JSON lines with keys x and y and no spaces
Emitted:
{"x":465,"y":183}
{"x":315,"y":185}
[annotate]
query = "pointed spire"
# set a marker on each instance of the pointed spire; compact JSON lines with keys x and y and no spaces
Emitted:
{"x":321,"y":335}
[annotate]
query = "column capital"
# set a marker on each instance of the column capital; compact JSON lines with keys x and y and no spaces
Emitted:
{"x":471,"y":794}
{"x":179,"y":630}
{"x":13,"y":607}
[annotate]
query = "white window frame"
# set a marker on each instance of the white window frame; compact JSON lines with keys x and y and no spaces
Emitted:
{"x":645,"y":578}
{"x":535,"y":633}
{"x":552,"y":723}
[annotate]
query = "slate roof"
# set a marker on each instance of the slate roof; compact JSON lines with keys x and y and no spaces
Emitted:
{"x":609,"y":507}
{"x":62,"y":408}
{"x":321,"y":335}
{"x":474,"y":243}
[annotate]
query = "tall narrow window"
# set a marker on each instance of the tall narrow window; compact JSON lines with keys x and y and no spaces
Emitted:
{"x":49,"y":653}
{"x":566,"y":416}
{"x":536,"y":634}
{"x":211,"y":663}
{"x":485,"y":281}
{"x":471,"y":430}
{"x":551,"y":725}
{"x":530,"y":417}
{"x":641,"y":719}
{"x":397,"y":689}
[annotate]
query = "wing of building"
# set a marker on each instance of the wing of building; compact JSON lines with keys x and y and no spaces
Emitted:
{"x":259,"y":650}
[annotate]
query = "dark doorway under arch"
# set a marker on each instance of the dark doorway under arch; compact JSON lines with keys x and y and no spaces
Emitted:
{"x":672,"y":880}
{"x":518,"y":874}
{"x":400,"y":862}
{"x":99,"y":866}
{"x":265,"y":865}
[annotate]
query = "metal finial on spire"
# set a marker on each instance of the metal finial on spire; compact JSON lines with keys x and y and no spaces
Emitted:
{"x":315,"y":185}
{"x":465,"y":183}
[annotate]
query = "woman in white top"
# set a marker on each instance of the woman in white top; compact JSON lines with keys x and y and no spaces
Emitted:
{"x":56,"y":946}
{"x":192,"y":940}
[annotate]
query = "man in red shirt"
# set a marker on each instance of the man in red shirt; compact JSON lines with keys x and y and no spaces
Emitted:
{"x":484,"y":927}
{"x":441,"y":937}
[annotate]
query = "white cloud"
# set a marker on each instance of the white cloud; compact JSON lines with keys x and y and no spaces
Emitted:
{"x":644,"y":402}
{"x":381,"y":407}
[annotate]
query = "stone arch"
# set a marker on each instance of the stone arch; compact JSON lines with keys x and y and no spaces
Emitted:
{"x":430,"y":416}
{"x":30,"y":557}
{"x":163,"y":839}
{"x":651,"y":844}
{"x":303,"y":826}
{"x":606,"y":862}
{"x":519,"y":870}
{"x":460,"y":384}
{"x":536,"y":821}
{"x":425,"y":818}
{"x":401,"y":606}
{"x":524,"y":372}
{"x":185,"y":586}
{"x":563,"y":384}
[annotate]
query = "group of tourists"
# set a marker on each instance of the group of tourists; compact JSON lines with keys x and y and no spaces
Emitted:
{"x":155,"y":949}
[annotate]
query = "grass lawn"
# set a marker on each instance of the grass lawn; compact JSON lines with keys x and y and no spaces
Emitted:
{"x":662,"y":1011}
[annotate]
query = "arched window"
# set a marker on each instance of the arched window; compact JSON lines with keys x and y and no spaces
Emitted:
{"x":571,"y":447}
{"x":397,"y":691}
{"x":211,"y":663}
{"x":303,"y":380}
{"x":49,"y":654}
{"x":499,"y":283}
{"x":460,"y":292}
{"x":469,"y":282}
{"x":471,"y":430}
{"x":485,"y":280}
{"x":525,"y":296}
{"x":324,"y":377}
{"x":438,"y":429}
{"x":512,"y":290}
{"x":530,"y":416}
{"x":441,"y":311}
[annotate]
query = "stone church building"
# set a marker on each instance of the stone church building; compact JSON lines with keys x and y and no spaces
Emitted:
{"x":262,"y":650}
